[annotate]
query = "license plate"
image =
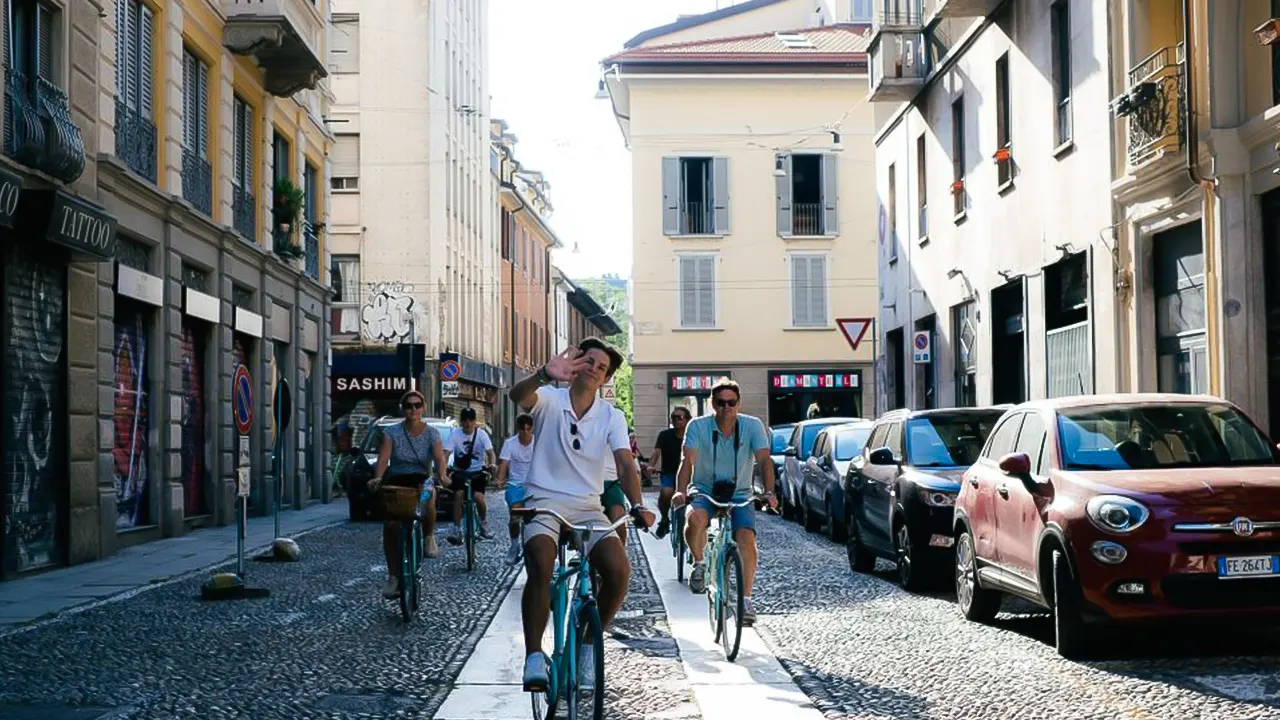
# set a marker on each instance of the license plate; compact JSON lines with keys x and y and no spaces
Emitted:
{"x":1249,"y":566}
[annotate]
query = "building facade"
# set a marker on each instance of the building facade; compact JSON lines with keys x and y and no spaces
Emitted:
{"x":415,"y":247}
{"x":157,"y":251}
{"x":996,"y":254}
{"x":754,"y":212}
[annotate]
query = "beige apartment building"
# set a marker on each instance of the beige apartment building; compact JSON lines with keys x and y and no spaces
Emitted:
{"x":754,"y":210}
{"x":414,"y":243}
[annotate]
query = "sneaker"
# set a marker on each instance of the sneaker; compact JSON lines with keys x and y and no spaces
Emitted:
{"x":485,"y":534}
{"x":391,"y":590}
{"x":587,"y":668}
{"x":698,"y":578}
{"x":664,"y":527}
{"x":433,"y":550}
{"x":748,"y":612}
{"x":455,"y":538}
{"x":535,"y":673}
{"x":513,"y":553}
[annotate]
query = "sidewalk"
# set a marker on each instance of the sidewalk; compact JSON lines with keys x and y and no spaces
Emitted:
{"x":27,"y":599}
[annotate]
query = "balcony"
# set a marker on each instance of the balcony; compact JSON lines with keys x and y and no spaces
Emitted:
{"x":285,"y":37}
{"x":38,"y":130}
{"x":806,"y":219}
{"x":897,"y":67}
{"x":697,"y":219}
{"x":949,"y":9}
{"x":136,"y":141}
{"x":1155,"y":105}
{"x":244,"y":211}
{"x":197,"y":182}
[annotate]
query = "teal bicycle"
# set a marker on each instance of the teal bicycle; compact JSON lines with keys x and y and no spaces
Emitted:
{"x":411,"y":541}
{"x":725,"y":592}
{"x":575,"y":625}
{"x":677,"y":541}
{"x":470,"y":515}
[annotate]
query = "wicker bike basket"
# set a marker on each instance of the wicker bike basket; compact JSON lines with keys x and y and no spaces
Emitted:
{"x":399,"y":503}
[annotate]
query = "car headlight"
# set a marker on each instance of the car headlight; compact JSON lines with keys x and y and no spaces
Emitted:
{"x":936,"y":498}
{"x":1117,"y":514}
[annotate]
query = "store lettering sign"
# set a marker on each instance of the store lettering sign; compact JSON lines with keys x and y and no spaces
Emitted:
{"x":816,"y":381}
{"x":693,"y":383}
{"x":82,"y":227}
{"x":371,"y":384}
{"x":10,"y":189}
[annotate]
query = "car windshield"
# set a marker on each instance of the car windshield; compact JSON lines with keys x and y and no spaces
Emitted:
{"x":810,"y":435}
{"x":780,"y":437}
{"x":950,"y":440}
{"x":1137,"y":437}
{"x":850,"y":442}
{"x":373,"y":441}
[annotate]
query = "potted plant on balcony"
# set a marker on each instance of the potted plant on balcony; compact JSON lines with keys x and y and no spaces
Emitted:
{"x":287,"y":207}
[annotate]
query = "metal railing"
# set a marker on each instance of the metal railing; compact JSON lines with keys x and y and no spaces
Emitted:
{"x":311,"y":250}
{"x":38,"y":131}
{"x":23,"y":131}
{"x":135,"y":141}
{"x":806,"y":218}
{"x":244,"y":213}
{"x":197,"y":181}
{"x":1157,"y":89}
{"x":898,"y":14}
{"x":696,"y":219}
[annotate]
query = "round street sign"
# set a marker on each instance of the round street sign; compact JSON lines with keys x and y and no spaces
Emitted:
{"x":922,"y":341}
{"x":242,"y":390}
{"x":283,"y":404}
{"x":450,"y":370}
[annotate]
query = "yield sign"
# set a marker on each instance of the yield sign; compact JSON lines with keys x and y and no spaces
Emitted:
{"x":854,"y":329}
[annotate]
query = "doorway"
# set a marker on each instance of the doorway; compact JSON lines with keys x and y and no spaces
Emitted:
{"x":1271,"y":285}
{"x":1009,"y":343}
{"x":1182,"y":361}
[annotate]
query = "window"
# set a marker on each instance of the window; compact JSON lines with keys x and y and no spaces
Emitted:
{"x":957,"y":155}
{"x":1031,"y":439}
{"x":244,"y":206}
{"x":344,"y":44}
{"x":860,"y":11}
{"x":808,"y":290}
{"x":1144,"y":437}
{"x":344,"y":163}
{"x":505,"y":229}
{"x":964,"y":322}
{"x":891,"y":219}
{"x":922,"y":187}
{"x":1183,"y":360}
{"x":894,"y":440}
{"x":949,"y":439}
{"x":344,"y":276}
{"x":1060,"y":29}
{"x":195,"y":105}
{"x":806,"y":195}
{"x":280,"y":159}
{"x":895,"y":357}
{"x":695,"y":195}
{"x":1004,"y":121}
{"x":1002,"y":440}
{"x":697,"y":290}
{"x":135,"y":132}
{"x":33,"y":34}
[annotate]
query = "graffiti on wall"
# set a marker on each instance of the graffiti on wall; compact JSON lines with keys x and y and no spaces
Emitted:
{"x":33,"y":389}
{"x":129,"y":446}
{"x":193,"y":418}
{"x":388,"y":314}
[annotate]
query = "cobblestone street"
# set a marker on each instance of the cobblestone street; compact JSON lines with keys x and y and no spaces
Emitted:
{"x":324,"y":646}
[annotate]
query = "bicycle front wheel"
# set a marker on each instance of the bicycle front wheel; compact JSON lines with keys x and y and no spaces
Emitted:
{"x":677,"y":542}
{"x":731,"y":604}
{"x":585,"y":700}
{"x":408,"y":572}
{"x":470,"y":536}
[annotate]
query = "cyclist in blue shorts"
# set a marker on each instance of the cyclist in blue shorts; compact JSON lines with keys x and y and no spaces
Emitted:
{"x":513,"y":468}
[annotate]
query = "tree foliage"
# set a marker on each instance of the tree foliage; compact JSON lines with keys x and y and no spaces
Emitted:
{"x":610,"y":291}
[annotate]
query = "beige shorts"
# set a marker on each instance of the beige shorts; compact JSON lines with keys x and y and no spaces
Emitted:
{"x":577,"y":512}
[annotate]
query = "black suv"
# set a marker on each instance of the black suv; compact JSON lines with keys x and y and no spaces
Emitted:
{"x":900,"y":492}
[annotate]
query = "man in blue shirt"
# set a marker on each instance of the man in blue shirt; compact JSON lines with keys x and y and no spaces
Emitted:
{"x":720,"y":453}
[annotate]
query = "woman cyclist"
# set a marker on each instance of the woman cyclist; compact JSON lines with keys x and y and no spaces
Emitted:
{"x":406,"y":455}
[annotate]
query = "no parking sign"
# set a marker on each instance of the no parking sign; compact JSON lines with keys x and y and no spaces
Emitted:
{"x":242,"y":389}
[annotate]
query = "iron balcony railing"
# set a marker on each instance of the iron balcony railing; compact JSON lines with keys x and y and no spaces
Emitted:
{"x":39,"y":132}
{"x":697,"y":219}
{"x":806,"y":218}
{"x":135,"y":141}
{"x":1155,"y":104}
{"x":311,"y":250}
{"x":197,"y":181}
{"x":244,"y":213}
{"x":894,"y":13}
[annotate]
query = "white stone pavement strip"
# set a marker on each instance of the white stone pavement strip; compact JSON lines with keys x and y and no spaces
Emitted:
{"x":755,"y":685}
{"x":489,"y":686}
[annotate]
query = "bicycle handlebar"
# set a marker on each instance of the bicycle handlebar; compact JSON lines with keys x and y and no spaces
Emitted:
{"x":529,"y":513}
{"x":722,"y":505}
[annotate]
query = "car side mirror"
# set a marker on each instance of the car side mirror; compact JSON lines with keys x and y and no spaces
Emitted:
{"x":882,"y":456}
{"x":790,"y":452}
{"x":1016,"y":464}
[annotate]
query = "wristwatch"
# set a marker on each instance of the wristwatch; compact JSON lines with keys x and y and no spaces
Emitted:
{"x":543,"y":376}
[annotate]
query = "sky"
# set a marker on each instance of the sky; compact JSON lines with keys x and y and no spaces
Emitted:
{"x":544,"y":67}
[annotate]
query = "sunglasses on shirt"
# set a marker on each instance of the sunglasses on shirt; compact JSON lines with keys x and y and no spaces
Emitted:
{"x":731,"y":402}
{"x":573,"y":430}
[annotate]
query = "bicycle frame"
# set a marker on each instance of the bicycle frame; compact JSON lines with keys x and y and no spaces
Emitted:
{"x":411,"y":553}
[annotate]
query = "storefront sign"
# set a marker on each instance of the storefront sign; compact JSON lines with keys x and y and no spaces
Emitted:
{"x":249,"y":323}
{"x":693,"y":383}
{"x":281,"y":323}
{"x":450,"y":389}
{"x":922,"y":347}
{"x":370,"y":384}
{"x":138,"y":285}
{"x":10,"y":190}
{"x":82,"y":227}
{"x":816,"y":380}
{"x":200,"y":305}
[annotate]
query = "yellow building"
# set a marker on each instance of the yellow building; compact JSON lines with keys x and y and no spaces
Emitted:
{"x":754,"y":211}
{"x":145,"y":142}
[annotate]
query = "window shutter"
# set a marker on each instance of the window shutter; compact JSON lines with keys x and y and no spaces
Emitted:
{"x":123,"y":55}
{"x":44,"y":34}
{"x":799,"y":290}
{"x":817,"y":290}
{"x":237,"y":150}
{"x":345,"y":156}
{"x":188,"y":102}
{"x":707,"y":291}
{"x":344,"y":56}
{"x":145,"y":73}
{"x":830,"y":195}
{"x":132,"y":57}
{"x":671,"y":195}
{"x":202,"y":74}
{"x":246,"y":147}
{"x":720,"y":193}
{"x":688,"y":291}
{"x":784,"y":195}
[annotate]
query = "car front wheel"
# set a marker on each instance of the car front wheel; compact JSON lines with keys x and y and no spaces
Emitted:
{"x":976,"y":603}
{"x":861,"y":560}
{"x":1072,"y":635}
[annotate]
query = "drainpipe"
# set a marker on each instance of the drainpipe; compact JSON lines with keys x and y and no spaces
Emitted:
{"x":506,"y":184}
{"x":1207,"y":186}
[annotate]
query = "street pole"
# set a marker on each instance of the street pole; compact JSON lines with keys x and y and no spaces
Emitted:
{"x":875,"y":368}
{"x":278,"y":463}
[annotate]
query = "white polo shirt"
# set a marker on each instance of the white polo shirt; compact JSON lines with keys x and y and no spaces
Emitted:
{"x":558,"y":468}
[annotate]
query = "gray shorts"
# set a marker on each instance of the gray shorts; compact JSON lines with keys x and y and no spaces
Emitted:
{"x":586,"y":511}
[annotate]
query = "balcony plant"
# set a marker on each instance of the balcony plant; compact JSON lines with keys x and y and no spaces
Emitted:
{"x":957,"y":187}
{"x":287,"y":207}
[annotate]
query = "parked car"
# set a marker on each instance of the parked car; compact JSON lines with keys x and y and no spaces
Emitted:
{"x":779,"y":435}
{"x":799,"y":447}
{"x":1122,"y":508}
{"x":822,"y":496}
{"x":902,"y":489}
{"x":364,"y":460}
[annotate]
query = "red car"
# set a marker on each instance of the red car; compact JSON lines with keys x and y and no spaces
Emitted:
{"x":1122,"y":508}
